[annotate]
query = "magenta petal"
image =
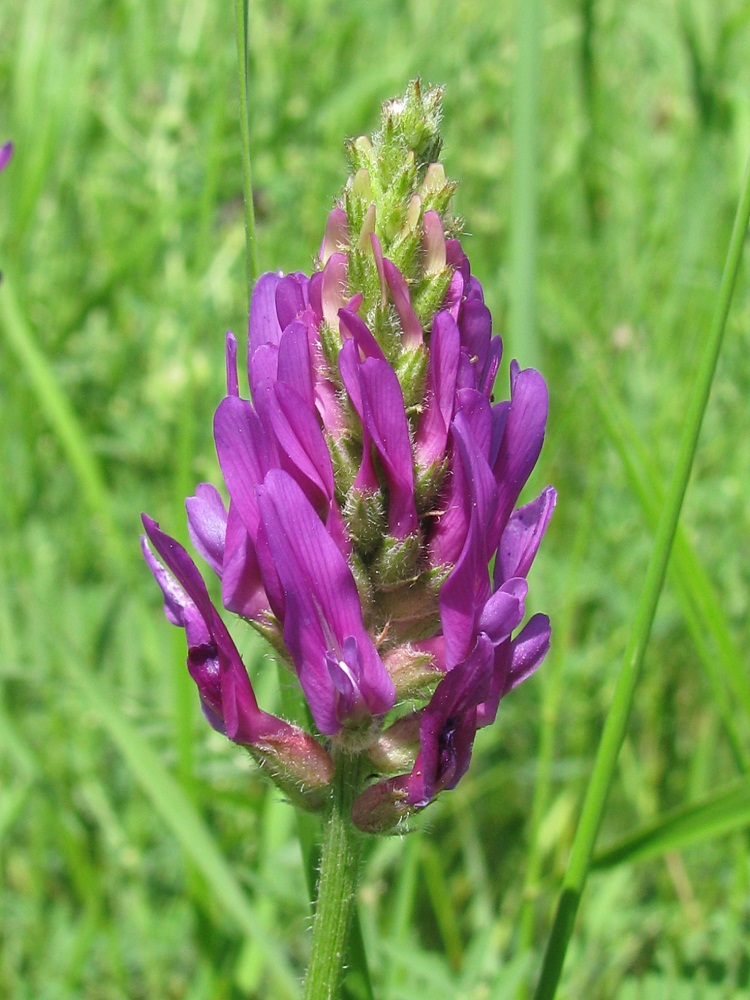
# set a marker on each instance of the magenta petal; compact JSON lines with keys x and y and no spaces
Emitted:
{"x":515,"y":661}
{"x":530,"y":647}
{"x":355,"y":327}
{"x":6,"y":152}
{"x":334,"y":290}
{"x":207,"y":524}
{"x":233,"y":385}
{"x":290,"y":298}
{"x":503,"y":610}
{"x":523,"y":535}
{"x":475,"y":324}
{"x":336,"y":236}
{"x":242,"y":586}
{"x":385,"y":416}
{"x":263,"y":375}
{"x":350,"y":368}
{"x":410,"y":325}
{"x":295,"y":366}
{"x":467,"y":588}
{"x":322,"y":609}
{"x":442,"y":371}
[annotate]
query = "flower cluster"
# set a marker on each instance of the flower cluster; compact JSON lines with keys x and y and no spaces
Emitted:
{"x":372,"y":481}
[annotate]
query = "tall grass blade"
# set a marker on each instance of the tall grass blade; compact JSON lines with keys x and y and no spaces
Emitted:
{"x":714,"y":816}
{"x":617,"y":719}
{"x":63,"y":420}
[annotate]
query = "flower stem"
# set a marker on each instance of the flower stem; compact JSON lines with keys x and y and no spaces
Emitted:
{"x":337,"y":886}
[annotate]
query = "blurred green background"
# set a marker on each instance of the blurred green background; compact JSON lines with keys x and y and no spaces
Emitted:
{"x":141,"y":854}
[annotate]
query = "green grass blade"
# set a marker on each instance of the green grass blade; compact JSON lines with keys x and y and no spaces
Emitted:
{"x":700,"y":604}
{"x":186,"y":824}
{"x":714,"y":816}
{"x":617,"y":719}
{"x":63,"y":420}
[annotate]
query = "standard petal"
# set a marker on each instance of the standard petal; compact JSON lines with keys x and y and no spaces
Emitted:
{"x":322,"y":608}
{"x":442,"y":371}
{"x":385,"y":416}
{"x":522,"y":439}
{"x":264,"y":325}
{"x":290,"y":298}
{"x":244,"y":455}
{"x":410,"y":325}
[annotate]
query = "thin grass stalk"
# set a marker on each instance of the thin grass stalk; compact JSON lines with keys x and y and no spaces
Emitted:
{"x":552,"y":696}
{"x":523,"y":235}
{"x":619,"y":713}
{"x":242,"y":13}
{"x":700,"y":607}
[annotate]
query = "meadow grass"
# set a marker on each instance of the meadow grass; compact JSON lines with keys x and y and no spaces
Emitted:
{"x":142,"y":855}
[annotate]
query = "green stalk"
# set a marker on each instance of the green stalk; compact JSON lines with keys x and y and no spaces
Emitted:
{"x":523,"y":238}
{"x":251,"y":256}
{"x":617,"y":719}
{"x":337,"y":886}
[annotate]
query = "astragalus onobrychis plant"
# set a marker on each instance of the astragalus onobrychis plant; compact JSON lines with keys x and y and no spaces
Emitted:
{"x":371,"y":533}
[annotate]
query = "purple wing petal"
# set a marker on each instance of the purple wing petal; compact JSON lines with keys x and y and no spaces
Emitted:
{"x":523,"y":535}
{"x":515,"y":661}
{"x":449,"y":725}
{"x":243,"y":721}
{"x":207,"y":524}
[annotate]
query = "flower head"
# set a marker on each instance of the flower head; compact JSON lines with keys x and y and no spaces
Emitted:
{"x":372,"y":483}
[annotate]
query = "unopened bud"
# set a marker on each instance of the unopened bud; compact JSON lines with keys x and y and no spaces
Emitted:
{"x":298,"y":765}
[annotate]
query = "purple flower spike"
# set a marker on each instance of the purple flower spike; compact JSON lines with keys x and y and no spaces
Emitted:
{"x":323,"y":627}
{"x":372,"y":483}
{"x":6,"y":152}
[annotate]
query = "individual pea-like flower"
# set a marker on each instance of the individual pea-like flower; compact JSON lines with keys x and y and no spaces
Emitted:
{"x":371,"y":533}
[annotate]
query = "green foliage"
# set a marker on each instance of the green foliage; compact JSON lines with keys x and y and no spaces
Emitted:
{"x":142,"y":855}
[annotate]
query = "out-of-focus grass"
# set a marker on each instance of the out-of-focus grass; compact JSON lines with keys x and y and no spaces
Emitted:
{"x":121,"y":237}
